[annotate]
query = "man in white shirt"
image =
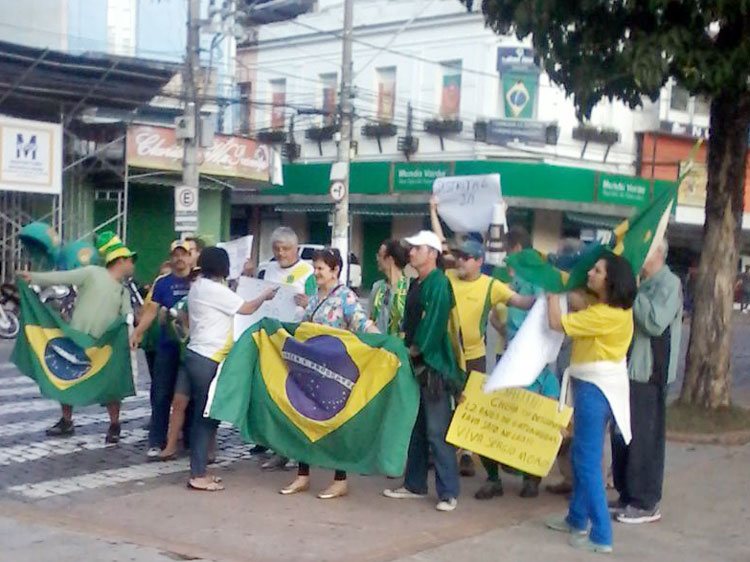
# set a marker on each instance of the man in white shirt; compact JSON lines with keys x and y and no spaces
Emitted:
{"x":286,"y":269}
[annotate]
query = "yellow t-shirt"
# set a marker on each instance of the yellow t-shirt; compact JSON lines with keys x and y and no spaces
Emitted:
{"x":473,"y":308}
{"x":599,"y":333}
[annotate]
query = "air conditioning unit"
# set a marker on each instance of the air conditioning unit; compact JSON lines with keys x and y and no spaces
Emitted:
{"x":184,"y":127}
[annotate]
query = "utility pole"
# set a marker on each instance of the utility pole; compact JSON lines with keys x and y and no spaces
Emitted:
{"x":340,"y":237}
{"x":190,"y":174}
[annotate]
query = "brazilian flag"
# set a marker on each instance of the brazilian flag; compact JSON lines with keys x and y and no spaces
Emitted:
{"x":69,"y":366}
{"x":324,"y":396}
{"x":633,"y":239}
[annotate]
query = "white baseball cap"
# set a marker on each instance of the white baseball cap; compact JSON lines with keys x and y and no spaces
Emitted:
{"x":426,"y":238}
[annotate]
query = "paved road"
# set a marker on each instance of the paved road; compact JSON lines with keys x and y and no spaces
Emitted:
{"x":73,"y":499}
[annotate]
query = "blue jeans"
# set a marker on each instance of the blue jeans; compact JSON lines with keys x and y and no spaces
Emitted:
{"x":201,"y":371}
{"x":429,"y":431}
{"x":589,"y":502}
{"x":163,"y":379}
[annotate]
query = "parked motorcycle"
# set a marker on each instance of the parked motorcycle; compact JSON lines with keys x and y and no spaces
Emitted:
{"x":9,"y":312}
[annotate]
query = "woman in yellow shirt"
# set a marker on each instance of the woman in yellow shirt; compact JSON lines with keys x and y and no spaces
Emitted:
{"x":601,"y":335}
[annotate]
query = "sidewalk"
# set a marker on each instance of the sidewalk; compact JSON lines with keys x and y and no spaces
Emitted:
{"x":706,"y":518}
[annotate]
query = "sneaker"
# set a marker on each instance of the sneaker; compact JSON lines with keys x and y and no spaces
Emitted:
{"x":447,"y":505}
{"x":63,"y":428}
{"x":633,"y":515}
{"x":259,"y":450}
{"x":560,"y":523}
{"x":402,"y":493}
{"x":113,"y":434}
{"x":153,"y":453}
{"x":616,"y":507}
{"x":466,"y":466}
{"x":276,"y":462}
{"x":560,"y":489}
{"x":291,"y":464}
{"x":583,"y":542}
{"x":490,"y":490}
{"x":530,"y":488}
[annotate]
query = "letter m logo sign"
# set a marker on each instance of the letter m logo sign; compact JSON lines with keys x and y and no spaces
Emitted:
{"x":25,"y":149}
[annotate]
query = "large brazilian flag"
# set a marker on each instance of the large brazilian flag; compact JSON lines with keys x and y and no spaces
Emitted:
{"x":324,"y":396}
{"x":70,"y":366}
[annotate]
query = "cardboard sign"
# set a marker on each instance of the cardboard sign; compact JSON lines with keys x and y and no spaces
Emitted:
{"x":239,"y":252}
{"x":513,"y":426}
{"x":465,"y":203}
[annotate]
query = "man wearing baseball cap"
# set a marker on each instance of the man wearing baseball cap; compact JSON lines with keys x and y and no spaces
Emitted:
{"x":426,"y":315}
{"x":476,"y":295}
{"x":166,"y":291}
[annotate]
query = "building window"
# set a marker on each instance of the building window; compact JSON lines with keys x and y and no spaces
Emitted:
{"x":679,"y":98}
{"x":329,"y":85}
{"x":278,"y":103}
{"x":450,"y":95}
{"x":702,"y":105}
{"x":246,"y":90}
{"x":386,"y":94}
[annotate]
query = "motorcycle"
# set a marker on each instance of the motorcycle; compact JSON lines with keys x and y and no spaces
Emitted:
{"x":9,"y":312}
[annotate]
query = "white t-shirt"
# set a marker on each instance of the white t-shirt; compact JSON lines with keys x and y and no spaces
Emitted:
{"x":211,"y":307}
{"x":300,"y":276}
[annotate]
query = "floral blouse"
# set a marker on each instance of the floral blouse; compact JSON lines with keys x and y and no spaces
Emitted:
{"x":340,"y":309}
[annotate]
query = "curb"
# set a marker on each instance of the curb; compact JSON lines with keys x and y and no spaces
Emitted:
{"x":728,"y":438}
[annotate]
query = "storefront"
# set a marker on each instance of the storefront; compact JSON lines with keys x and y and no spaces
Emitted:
{"x":391,"y":199}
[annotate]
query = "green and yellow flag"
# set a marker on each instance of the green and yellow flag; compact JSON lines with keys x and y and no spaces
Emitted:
{"x":324,"y":396}
{"x":70,"y":366}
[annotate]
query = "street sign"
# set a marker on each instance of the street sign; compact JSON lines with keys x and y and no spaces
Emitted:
{"x":338,"y":190}
{"x":185,"y":208}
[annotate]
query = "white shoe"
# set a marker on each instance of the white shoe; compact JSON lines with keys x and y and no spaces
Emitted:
{"x":153,"y":453}
{"x":447,"y":505}
{"x":401,"y":494}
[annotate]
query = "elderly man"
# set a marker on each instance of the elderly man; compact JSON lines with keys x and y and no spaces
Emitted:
{"x":638,"y":468}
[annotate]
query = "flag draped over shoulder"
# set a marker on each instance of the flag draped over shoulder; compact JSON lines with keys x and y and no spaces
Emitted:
{"x":324,"y":396}
{"x":70,"y":366}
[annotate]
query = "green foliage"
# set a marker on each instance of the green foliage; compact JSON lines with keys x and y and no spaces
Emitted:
{"x":628,"y":49}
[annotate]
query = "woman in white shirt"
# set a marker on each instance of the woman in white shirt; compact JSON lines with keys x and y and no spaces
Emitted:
{"x":211,"y":309}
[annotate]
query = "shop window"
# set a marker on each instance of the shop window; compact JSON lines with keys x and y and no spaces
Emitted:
{"x":278,"y":103}
{"x":450,"y":95}
{"x":386,"y":94}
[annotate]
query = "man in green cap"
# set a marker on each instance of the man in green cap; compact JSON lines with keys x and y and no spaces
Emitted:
{"x":101,"y":299}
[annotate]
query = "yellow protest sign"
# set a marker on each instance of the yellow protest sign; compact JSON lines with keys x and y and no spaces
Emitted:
{"x":512,"y":426}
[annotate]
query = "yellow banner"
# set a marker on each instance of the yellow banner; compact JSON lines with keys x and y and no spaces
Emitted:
{"x":513,"y":426}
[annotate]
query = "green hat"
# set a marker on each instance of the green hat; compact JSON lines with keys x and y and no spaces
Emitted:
{"x":78,"y":254}
{"x":107,"y":241}
{"x":118,"y":251}
{"x":41,"y":240}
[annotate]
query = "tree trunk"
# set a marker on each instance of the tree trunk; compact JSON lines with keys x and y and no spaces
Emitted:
{"x":708,"y":377}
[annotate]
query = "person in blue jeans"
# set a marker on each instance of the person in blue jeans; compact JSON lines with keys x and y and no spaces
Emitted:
{"x":601,"y":335}
{"x":167,"y":291}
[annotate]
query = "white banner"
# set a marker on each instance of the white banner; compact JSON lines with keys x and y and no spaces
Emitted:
{"x":282,"y":307}
{"x":31,"y":156}
{"x":465,"y":203}
{"x":239,"y":251}
{"x":534,"y":346}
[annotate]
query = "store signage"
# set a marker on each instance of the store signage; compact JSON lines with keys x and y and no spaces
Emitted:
{"x":185,"y":208}
{"x":503,"y":131}
{"x":418,"y":176}
{"x":516,"y":59}
{"x":622,"y":190}
{"x":156,"y":148}
{"x":31,"y":156}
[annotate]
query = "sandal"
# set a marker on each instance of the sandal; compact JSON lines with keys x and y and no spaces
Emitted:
{"x":165,"y":458}
{"x":212,"y":486}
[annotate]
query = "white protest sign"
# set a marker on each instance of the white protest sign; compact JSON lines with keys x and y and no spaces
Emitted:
{"x":465,"y":203}
{"x":534,"y":346}
{"x":282,"y":307}
{"x":239,"y":251}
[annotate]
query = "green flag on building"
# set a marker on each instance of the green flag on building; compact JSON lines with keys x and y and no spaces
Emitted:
{"x":323,"y":396}
{"x":519,"y":94}
{"x":70,"y":366}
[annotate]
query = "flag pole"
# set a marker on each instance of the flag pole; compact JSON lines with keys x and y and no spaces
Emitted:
{"x":130,"y":320}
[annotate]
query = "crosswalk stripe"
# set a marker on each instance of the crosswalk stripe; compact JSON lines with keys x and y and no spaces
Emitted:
{"x":7,"y":381}
{"x":79,"y":420}
{"x":25,"y":406}
{"x":20,"y":390}
{"x":54,"y":447}
{"x":6,"y":365}
{"x":114,"y":476}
